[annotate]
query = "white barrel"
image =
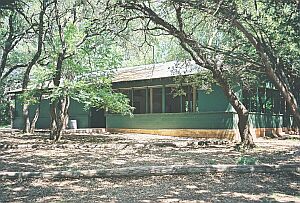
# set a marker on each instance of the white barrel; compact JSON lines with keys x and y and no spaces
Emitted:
{"x":73,"y":124}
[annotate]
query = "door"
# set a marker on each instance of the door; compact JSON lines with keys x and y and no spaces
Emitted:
{"x":97,"y":118}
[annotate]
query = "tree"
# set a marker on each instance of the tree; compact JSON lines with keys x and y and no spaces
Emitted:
{"x":23,"y":29}
{"x":170,"y":18}
{"x":40,"y":38}
{"x":14,"y":33}
{"x":8,"y":4}
{"x":4,"y":108}
{"x":63,"y":51}
{"x":270,"y":29}
{"x":81,"y":60}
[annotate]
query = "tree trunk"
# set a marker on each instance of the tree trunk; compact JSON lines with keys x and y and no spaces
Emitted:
{"x":33,"y":61}
{"x":66,"y":104}
{"x":12,"y":115}
{"x":53,"y":126}
{"x":244,"y":129}
{"x":26,"y":124}
{"x":59,"y":114}
{"x":295,"y":128}
{"x":36,"y":115}
{"x":7,"y":46}
{"x":242,"y":111}
{"x":279,"y":84}
{"x":287,"y":95}
{"x":57,"y":107}
{"x":34,"y":120}
{"x":218,"y":75}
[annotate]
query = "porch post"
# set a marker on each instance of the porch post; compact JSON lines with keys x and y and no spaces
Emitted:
{"x":194,"y":99}
{"x":151,"y":100}
{"x":265,"y":100}
{"x":132,"y":96}
{"x":147,"y":102}
{"x":181,"y":104}
{"x":258,"y":107}
{"x":163,"y":100}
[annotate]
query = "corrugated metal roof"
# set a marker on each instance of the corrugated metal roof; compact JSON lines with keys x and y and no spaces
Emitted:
{"x":154,"y":71}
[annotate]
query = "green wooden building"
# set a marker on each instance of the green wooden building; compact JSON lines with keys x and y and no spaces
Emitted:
{"x":150,"y":89}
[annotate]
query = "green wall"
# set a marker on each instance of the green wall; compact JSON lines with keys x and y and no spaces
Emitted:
{"x":208,"y":120}
{"x":264,"y":120}
{"x":76,"y":112}
{"x":204,"y":120}
{"x":214,"y":101}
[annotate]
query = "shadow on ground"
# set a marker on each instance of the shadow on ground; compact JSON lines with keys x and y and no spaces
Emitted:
{"x":197,"y":188}
{"x":278,"y":187}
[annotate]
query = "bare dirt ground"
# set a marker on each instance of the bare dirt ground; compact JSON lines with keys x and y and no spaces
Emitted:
{"x":88,"y":152}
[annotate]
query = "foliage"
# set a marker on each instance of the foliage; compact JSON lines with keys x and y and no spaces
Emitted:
{"x":140,"y":49}
{"x":4,"y":108}
{"x":89,"y":60}
{"x":247,"y":160}
{"x":101,"y":96}
{"x":17,"y":38}
{"x":76,"y":59}
{"x":276,"y":24}
{"x":212,"y":161}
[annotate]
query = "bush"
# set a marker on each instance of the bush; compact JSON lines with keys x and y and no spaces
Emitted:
{"x":247,"y":160}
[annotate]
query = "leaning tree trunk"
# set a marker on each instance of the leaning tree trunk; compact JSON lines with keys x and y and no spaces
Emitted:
{"x":287,"y":95}
{"x":244,"y":129}
{"x":269,"y":69}
{"x":242,"y":111}
{"x":198,"y":53}
{"x":33,"y":61}
{"x":217,"y":70}
{"x":36,"y":115}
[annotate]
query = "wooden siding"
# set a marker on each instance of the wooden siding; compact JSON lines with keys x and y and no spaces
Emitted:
{"x":76,"y":110}
{"x":208,"y":120}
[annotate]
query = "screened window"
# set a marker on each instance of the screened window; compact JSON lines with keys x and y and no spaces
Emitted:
{"x":150,"y":100}
{"x":277,"y":102}
{"x":139,"y":101}
{"x":282,"y":105}
{"x":172,"y":102}
{"x":157,"y":100}
{"x":187,"y":99}
{"x":264,"y":101}
{"x":128,"y":93}
{"x":269,"y":103}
